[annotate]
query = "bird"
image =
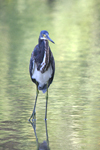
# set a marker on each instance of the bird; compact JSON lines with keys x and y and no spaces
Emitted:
{"x":42,"y":67}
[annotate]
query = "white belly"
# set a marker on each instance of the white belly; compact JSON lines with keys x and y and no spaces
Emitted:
{"x":41,"y":78}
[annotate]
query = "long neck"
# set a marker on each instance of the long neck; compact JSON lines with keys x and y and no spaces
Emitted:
{"x":44,"y":47}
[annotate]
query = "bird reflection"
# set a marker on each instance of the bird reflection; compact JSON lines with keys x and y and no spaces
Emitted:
{"x":45,"y":144}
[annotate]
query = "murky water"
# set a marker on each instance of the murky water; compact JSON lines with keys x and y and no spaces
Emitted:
{"x":74,"y":96}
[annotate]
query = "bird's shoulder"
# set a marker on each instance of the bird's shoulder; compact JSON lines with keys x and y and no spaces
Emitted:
{"x":35,"y":52}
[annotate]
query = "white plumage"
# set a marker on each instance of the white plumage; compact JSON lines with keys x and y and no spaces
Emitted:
{"x":41,"y":78}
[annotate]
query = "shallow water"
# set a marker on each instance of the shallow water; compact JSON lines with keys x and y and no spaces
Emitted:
{"x":74,"y":96}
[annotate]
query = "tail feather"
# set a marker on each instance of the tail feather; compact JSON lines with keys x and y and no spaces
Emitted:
{"x":43,"y":89}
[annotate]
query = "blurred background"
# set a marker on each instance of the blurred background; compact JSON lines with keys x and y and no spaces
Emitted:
{"x":74,"y":96}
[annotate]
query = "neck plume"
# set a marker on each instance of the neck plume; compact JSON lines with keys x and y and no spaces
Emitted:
{"x":45,"y":62}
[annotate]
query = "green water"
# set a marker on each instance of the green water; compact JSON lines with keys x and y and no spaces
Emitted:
{"x":74,"y":96}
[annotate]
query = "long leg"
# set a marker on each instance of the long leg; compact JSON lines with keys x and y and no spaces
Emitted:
{"x":46,"y":103}
{"x":46,"y":132}
{"x":33,"y":114}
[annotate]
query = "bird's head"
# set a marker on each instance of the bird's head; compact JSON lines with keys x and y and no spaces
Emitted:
{"x":44,"y":35}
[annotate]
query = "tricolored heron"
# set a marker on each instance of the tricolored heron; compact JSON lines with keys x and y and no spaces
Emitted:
{"x":42,"y":67}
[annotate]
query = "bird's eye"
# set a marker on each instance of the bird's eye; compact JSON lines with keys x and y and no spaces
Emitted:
{"x":44,"y":35}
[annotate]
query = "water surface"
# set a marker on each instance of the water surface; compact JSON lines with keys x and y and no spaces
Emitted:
{"x":74,"y":96}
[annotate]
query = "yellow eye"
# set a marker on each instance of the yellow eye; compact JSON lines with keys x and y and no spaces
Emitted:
{"x":44,"y":35}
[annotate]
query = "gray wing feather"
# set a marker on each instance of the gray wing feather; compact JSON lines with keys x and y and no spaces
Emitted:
{"x":31,"y":66}
{"x":53,"y":68}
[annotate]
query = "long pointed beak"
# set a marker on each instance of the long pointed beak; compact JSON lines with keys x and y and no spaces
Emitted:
{"x":48,"y":38}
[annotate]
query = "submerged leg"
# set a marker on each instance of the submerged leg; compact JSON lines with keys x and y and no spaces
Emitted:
{"x":33,"y":114}
{"x":46,"y":103}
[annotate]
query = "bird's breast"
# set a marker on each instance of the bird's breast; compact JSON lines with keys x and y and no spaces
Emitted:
{"x":41,"y":78}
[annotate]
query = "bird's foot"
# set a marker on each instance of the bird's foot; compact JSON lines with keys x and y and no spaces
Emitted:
{"x":32,"y":117}
{"x":45,"y":118}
